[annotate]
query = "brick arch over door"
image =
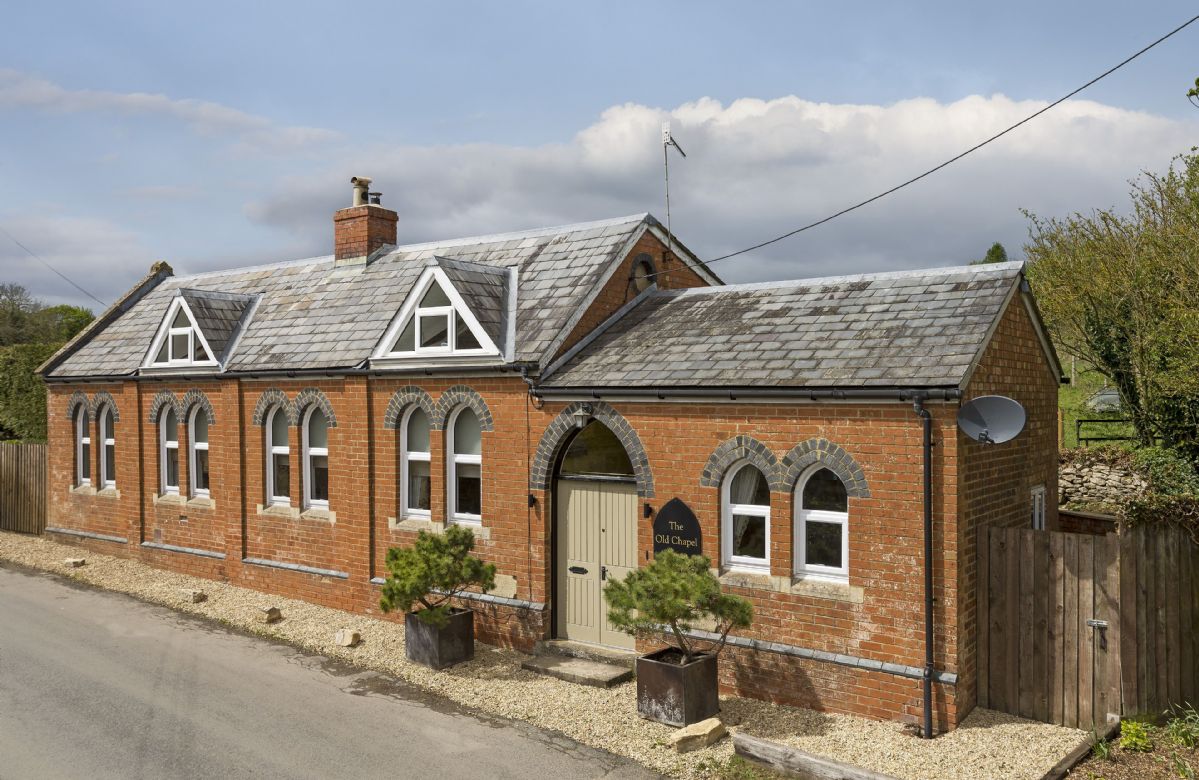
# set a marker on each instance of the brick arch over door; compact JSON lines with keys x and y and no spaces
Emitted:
{"x":735,"y":450}
{"x":407,"y":396}
{"x":559,"y":433}
{"x":310,"y":396}
{"x":102,"y":399}
{"x":808,"y":453}
{"x":77,"y":399}
{"x":461,"y":395}
{"x":269,"y":400}
{"x":195,"y":397}
{"x":163,"y":399}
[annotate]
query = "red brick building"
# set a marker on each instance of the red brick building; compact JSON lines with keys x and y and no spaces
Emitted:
{"x":282,"y":426}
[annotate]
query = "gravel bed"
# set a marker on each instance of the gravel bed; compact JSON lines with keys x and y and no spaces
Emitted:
{"x":988,"y":745}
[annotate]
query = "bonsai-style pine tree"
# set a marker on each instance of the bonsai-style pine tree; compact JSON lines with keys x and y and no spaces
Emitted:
{"x":432,"y":572}
{"x":665,"y":599}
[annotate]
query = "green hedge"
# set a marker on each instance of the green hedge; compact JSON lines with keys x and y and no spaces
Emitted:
{"x":22,"y":392}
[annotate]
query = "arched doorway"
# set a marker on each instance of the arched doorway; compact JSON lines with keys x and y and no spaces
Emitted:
{"x":595,"y":494}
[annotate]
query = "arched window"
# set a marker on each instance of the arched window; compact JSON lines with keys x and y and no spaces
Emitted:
{"x":197,"y":453}
{"x":822,"y":527}
{"x":465,"y":467}
{"x":278,"y":458}
{"x":316,"y":459}
{"x":745,"y":521}
{"x":415,"y":495}
{"x":108,"y":452}
{"x":596,"y":452}
{"x":168,"y":452}
{"x":83,"y":448}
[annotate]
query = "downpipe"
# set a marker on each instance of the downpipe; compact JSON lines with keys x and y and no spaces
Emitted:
{"x":927,"y":422}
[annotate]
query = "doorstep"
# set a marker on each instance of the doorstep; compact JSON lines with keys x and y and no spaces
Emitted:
{"x":597,"y":674}
{"x":608,"y":655}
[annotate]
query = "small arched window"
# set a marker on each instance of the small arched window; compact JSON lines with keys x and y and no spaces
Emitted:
{"x":168,"y":452}
{"x":278,"y":455}
{"x":822,"y":526}
{"x":108,"y":452}
{"x":745,"y":521}
{"x":415,"y":495}
{"x":83,"y":448}
{"x":316,"y":459}
{"x":197,"y":462}
{"x":465,"y":467}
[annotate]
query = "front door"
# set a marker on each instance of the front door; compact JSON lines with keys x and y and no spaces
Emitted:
{"x":597,"y":542}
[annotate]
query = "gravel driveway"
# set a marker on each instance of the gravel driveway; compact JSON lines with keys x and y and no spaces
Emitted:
{"x":988,"y":745}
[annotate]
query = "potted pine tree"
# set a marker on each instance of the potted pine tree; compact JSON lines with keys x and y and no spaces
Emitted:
{"x":430,"y":574}
{"x":677,"y":685}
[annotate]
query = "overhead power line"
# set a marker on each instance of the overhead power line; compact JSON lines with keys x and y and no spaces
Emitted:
{"x":52,"y":268}
{"x":951,"y":160}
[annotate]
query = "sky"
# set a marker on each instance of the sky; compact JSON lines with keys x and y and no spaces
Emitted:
{"x":223,"y":134}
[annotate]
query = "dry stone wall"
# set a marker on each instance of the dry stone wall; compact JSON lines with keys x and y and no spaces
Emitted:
{"x":1097,"y":483}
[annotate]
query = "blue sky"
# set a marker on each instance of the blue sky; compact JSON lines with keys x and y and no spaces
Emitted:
{"x":224,"y":134}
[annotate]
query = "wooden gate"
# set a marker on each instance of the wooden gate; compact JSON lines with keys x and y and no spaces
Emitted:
{"x":23,"y":488}
{"x":1078,"y":629}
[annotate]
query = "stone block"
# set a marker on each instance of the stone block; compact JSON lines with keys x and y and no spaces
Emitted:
{"x":74,"y":563}
{"x":698,"y":735}
{"x":269,"y":615}
{"x":192,"y":595}
{"x":347,"y":638}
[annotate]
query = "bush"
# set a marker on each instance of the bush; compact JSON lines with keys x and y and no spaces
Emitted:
{"x":432,"y":572}
{"x":1182,"y":511}
{"x":1168,"y":472}
{"x":1134,"y":737}
{"x":22,"y":392}
{"x":665,"y":599}
{"x":1182,"y":729}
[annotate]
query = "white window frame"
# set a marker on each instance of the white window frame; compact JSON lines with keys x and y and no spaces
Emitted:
{"x":1037,"y":496}
{"x":107,"y":439}
{"x":83,"y":472}
{"x":192,"y":447}
{"x":166,"y":330}
{"x":308,"y":453}
{"x":727,"y":510}
{"x":163,"y":446}
{"x":406,"y":457}
{"x":803,"y":516}
{"x":453,"y":460}
{"x":272,"y":450}
{"x":412,"y":311}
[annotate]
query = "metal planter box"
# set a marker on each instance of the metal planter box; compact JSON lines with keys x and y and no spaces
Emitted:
{"x":442,"y":647}
{"x":677,"y":695}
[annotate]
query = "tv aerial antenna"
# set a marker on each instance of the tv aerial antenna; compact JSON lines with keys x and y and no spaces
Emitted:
{"x":667,"y":142}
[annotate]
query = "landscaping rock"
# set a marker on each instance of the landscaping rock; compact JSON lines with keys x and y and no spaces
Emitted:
{"x":193,"y":595}
{"x":347,"y":638}
{"x":698,"y":735}
{"x":269,"y":615}
{"x":74,"y":563}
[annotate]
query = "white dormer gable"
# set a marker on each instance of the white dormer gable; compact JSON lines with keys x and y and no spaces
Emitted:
{"x":179,"y":342}
{"x":436,"y":325}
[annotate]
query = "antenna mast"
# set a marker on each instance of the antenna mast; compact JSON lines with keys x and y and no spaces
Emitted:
{"x":667,"y":142}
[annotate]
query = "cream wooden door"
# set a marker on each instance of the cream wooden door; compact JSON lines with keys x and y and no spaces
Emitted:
{"x":597,"y":542}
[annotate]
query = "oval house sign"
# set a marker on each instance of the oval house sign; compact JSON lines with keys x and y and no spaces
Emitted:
{"x":676,"y":528}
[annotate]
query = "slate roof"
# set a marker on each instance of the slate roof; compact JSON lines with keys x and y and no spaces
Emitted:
{"x":485,"y":290}
{"x":218,"y":316}
{"x":313,"y":316}
{"x":906,"y":329}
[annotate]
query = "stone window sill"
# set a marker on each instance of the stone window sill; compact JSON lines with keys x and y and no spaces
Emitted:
{"x":811,"y":587}
{"x":83,"y":490}
{"x":315,"y":513}
{"x":170,"y":499}
{"x":279,"y":510}
{"x":201,"y":502}
{"x":477,"y":528}
{"x":109,"y":492}
{"x":415,"y":524}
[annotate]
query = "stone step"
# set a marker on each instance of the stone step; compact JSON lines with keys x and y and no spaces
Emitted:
{"x":569,"y":649}
{"x":578,"y":670}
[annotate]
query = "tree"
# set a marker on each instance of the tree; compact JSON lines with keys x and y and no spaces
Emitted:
{"x":1121,"y":291}
{"x":1193,"y":94}
{"x":996,"y":254}
{"x":17,"y":308}
{"x":63,"y":322}
{"x":432,"y":572}
{"x":665,"y":600}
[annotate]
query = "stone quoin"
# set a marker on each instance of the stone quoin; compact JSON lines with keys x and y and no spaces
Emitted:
{"x":280,"y":427}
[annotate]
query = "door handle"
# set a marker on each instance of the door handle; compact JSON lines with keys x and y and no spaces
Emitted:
{"x":603,"y":572}
{"x":577,"y":570}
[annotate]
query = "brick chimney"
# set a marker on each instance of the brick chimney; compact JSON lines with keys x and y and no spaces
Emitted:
{"x":363,"y":227}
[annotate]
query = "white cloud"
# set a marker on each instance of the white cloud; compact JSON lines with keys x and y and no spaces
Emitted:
{"x":21,"y":90}
{"x":758,"y":168}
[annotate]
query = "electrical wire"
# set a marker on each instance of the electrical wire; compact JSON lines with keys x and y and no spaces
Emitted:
{"x":948,"y":162}
{"x":52,"y":268}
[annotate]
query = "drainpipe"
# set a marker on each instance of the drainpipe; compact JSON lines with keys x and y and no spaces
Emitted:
{"x":927,"y":421}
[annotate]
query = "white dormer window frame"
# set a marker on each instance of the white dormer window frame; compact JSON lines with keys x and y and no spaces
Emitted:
{"x":412,"y":312}
{"x":167,"y":335}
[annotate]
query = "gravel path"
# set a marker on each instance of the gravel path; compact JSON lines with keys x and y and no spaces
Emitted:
{"x":988,"y":745}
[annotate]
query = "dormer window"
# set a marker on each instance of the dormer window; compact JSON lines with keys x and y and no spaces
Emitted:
{"x":179,"y":341}
{"x":436,"y":327}
{"x":199,"y":330}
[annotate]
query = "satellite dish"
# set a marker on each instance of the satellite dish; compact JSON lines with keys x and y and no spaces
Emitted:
{"x":991,"y":419}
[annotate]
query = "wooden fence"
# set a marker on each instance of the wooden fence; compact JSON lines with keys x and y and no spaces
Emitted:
{"x":1079,"y":629}
{"x":23,"y":488}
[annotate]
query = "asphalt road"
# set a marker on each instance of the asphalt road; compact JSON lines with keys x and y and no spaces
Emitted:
{"x":98,"y":685}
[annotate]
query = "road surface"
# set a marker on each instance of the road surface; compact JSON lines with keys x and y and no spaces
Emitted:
{"x":98,"y":685}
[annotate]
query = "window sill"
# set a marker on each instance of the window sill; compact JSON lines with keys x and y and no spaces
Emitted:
{"x":201,"y":502}
{"x":826,"y":588}
{"x":169,"y":499}
{"x":278,"y":510}
{"x":319,"y":513}
{"x":476,"y":526}
{"x":745,"y":578}
{"x":83,"y":490}
{"x":415,"y":525}
{"x":109,"y":492}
